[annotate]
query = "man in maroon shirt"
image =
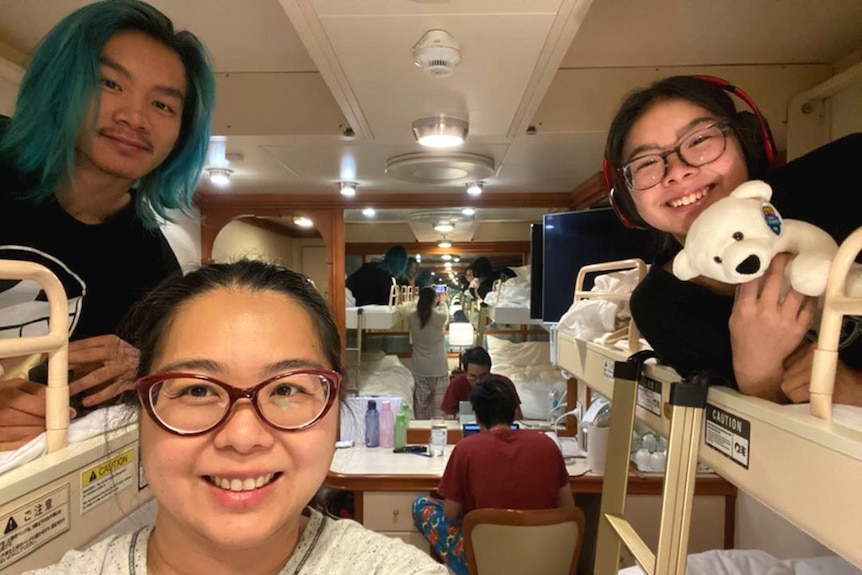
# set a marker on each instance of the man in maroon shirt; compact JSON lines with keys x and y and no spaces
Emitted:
{"x":477,"y":367}
{"x":498,"y":468}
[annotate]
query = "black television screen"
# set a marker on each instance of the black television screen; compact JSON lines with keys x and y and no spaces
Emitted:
{"x":536,"y":259}
{"x":572,"y":240}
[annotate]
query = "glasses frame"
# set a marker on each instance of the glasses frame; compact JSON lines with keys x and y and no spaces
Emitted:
{"x":146,"y":383}
{"x":722,"y":125}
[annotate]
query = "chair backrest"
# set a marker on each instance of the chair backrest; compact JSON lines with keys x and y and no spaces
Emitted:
{"x":533,"y":542}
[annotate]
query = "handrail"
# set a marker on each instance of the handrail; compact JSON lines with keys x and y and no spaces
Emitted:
{"x":55,"y":343}
{"x":836,"y":304}
{"x":619,"y":265}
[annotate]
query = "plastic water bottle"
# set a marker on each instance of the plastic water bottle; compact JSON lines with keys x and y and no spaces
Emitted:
{"x":387,"y":424}
{"x":400,"y":432}
{"x":372,"y":425}
{"x":437,"y":443}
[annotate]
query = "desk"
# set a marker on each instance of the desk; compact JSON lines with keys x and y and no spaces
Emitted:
{"x":384,"y":485}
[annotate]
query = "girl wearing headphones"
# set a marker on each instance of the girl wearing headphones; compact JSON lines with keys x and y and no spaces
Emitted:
{"x":675,"y":148}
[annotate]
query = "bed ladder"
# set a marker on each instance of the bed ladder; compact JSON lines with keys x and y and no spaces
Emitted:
{"x":686,"y":403}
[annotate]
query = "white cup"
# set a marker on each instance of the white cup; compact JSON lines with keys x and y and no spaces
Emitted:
{"x":597,"y":448}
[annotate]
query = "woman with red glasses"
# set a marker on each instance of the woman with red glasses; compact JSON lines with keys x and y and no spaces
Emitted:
{"x":677,"y":147}
{"x":239,"y":380}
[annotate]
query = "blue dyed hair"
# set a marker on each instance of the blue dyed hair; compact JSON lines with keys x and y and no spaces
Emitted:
{"x":395,"y":261}
{"x":63,"y":77}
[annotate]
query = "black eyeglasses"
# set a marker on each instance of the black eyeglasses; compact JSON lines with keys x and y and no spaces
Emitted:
{"x":192,"y":404}
{"x":697,"y":149}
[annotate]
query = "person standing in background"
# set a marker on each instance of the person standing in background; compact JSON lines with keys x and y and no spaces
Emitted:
{"x":110,"y":131}
{"x":428,"y":360}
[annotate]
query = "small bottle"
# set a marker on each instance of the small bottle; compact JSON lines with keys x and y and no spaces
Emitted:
{"x":387,"y":424}
{"x":372,"y":425}
{"x":400,"y":431}
{"x":437,"y":443}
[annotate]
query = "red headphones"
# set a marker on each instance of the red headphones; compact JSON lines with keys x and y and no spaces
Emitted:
{"x":769,"y":147}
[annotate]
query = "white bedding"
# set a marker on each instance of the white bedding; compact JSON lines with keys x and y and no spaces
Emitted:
{"x":756,"y":562}
{"x":90,"y":425}
{"x":514,"y":292}
{"x":589,"y":319}
{"x":528,"y":365}
{"x":385,"y":375}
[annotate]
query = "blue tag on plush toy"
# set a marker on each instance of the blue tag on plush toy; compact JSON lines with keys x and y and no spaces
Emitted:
{"x":771,"y":217}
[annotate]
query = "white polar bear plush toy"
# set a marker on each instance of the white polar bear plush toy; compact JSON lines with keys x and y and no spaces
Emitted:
{"x":735,"y":239}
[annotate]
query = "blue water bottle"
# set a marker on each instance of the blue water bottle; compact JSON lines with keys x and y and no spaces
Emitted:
{"x":372,"y":425}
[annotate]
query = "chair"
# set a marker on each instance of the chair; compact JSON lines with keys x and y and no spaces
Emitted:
{"x":518,"y":542}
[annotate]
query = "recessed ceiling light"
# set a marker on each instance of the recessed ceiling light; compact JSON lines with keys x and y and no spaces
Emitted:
{"x":347,"y":188}
{"x":219,"y":176}
{"x":444,"y":243}
{"x":446,"y":257}
{"x":475,"y":188}
{"x":468,"y":211}
{"x":303,"y":222}
{"x":440,"y":131}
{"x":369,"y":212}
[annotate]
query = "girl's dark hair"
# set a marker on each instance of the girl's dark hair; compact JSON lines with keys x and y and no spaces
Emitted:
{"x":425,"y":305}
{"x":493,"y":402}
{"x":482,"y":267}
{"x":707,"y":95}
{"x":147,"y":323}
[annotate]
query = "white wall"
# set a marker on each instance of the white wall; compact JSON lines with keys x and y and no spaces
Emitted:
{"x":184,"y":236}
{"x":238,"y":240}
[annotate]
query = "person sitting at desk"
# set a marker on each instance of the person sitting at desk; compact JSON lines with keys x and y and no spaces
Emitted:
{"x":477,"y":366}
{"x":497,"y":468}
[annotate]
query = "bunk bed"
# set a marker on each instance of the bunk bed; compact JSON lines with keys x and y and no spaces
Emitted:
{"x":70,"y":485}
{"x":802,"y":462}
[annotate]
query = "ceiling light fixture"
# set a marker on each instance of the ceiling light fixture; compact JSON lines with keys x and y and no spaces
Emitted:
{"x":444,"y":243}
{"x":444,"y":227}
{"x":440,"y":131}
{"x":475,"y":188}
{"x":347,"y":188}
{"x":219,"y":176}
{"x":303,"y":222}
{"x":468,"y":211}
{"x":369,"y":212}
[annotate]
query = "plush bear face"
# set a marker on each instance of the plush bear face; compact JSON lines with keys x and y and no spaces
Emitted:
{"x":734,"y":240}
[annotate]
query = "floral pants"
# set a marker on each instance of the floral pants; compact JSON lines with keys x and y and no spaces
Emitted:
{"x":444,"y":535}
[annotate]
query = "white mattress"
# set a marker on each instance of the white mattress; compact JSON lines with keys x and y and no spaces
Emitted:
{"x":756,"y":562}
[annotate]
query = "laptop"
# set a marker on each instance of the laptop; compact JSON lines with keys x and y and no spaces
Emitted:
{"x":465,"y":413}
{"x":468,"y":429}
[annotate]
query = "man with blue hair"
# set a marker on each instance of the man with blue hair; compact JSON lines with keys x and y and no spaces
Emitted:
{"x":110,"y":131}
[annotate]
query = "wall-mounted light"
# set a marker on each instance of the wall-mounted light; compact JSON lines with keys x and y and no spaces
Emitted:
{"x":369,"y":212}
{"x":303,"y":222}
{"x":443,"y":227}
{"x":347,"y":188}
{"x":475,"y":188}
{"x":440,"y":131}
{"x":444,"y":243}
{"x":219,"y":176}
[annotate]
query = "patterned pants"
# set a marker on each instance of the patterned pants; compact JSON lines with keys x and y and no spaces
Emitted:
{"x":444,"y":535}
{"x":428,"y":393}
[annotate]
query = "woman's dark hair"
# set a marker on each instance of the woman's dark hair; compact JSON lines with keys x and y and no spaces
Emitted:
{"x":425,"y":305}
{"x":703,"y":93}
{"x":147,"y":323}
{"x":493,"y":402}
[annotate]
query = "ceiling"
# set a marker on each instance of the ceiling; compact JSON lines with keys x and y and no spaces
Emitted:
{"x":538,"y":81}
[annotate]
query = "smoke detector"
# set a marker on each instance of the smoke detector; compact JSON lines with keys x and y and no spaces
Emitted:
{"x":437,"y":53}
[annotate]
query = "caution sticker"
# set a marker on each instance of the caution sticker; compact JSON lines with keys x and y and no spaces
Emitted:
{"x":728,"y":434}
{"x":28,"y":527}
{"x":105,"y":479}
{"x":649,"y":395}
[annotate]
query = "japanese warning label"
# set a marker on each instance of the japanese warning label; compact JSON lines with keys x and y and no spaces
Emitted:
{"x":33,"y":524}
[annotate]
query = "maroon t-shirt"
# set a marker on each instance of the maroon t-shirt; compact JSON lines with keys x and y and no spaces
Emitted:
{"x":505,"y":469}
{"x":459,"y":390}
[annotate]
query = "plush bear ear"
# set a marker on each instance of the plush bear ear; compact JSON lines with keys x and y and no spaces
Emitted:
{"x":753,"y":189}
{"x":682,"y":267}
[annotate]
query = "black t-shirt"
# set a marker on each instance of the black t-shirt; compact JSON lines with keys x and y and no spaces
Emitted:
{"x":370,"y":284}
{"x":104,"y":268}
{"x":687,"y":325}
